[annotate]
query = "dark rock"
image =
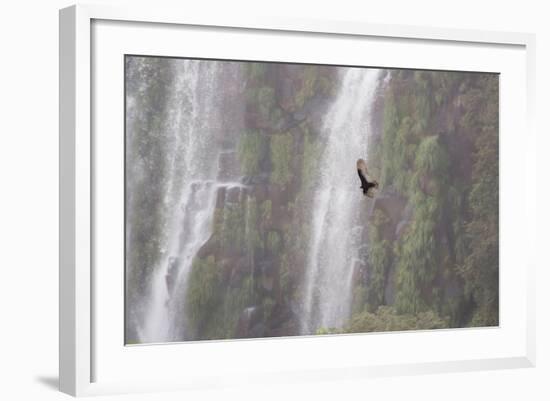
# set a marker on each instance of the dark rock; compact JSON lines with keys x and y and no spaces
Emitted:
{"x":259,"y":179}
{"x":233,"y":195}
{"x":245,"y":195}
{"x":240,"y":268}
{"x":281,"y":320}
{"x":390,"y":204}
{"x":253,"y":119}
{"x":299,"y":116}
{"x":249,"y":319}
{"x":452,"y":289}
{"x":267,"y":283}
{"x":268,"y":271}
{"x":258,"y":330}
{"x":172,"y":273}
{"x":267,"y":267}
{"x":295,"y":308}
{"x":220,"y":198}
{"x":359,"y":272}
{"x":260,"y":192}
{"x":289,"y":328}
{"x":210,"y":247}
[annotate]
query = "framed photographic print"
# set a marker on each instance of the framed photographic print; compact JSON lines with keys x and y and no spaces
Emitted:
{"x":275,"y":200}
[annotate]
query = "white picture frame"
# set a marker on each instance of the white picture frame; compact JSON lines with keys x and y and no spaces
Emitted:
{"x":79,"y":352}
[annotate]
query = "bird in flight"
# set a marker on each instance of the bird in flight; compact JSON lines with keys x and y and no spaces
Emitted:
{"x":367,"y":186}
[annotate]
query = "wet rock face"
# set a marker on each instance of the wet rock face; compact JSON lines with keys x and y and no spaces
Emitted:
{"x":268,"y":274}
{"x":172,"y":273}
{"x":233,"y":195}
{"x":256,"y":181}
{"x":391,"y":204}
{"x":394,"y":207}
{"x":237,"y":270}
{"x":255,"y":206}
{"x":251,"y":199}
{"x":360,"y":272}
{"x":220,"y":197}
{"x":210,"y":247}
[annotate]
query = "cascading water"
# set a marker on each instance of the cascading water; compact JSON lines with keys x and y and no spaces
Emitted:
{"x":185,"y":119}
{"x":193,"y":126}
{"x":335,"y":226}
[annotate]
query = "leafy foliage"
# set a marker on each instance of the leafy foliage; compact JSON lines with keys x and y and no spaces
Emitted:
{"x":281,"y":158}
{"x":252,"y":149}
{"x":387,"y":319}
{"x":480,"y":267}
{"x":435,"y":148}
{"x":448,"y":253}
{"x":203,"y":293}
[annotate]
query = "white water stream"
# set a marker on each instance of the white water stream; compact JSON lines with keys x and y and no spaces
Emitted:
{"x":194,"y":124}
{"x":195,"y":120}
{"x":335,"y":227}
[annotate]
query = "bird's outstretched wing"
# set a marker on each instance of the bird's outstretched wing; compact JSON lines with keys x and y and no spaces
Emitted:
{"x":366,"y":186}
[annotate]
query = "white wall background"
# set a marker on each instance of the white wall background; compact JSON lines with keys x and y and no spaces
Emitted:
{"x":29,"y":185}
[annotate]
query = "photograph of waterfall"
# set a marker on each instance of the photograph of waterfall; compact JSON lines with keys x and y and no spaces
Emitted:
{"x":245,"y":216}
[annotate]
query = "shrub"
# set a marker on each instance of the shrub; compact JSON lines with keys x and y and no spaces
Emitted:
{"x":281,"y":159}
{"x":251,"y":150}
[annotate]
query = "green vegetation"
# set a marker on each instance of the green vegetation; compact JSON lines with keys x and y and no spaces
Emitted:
{"x":203,"y":293}
{"x":147,"y":176}
{"x":261,"y":228}
{"x":255,"y":71}
{"x":281,"y":158}
{"x":273,"y":242}
{"x":310,"y":75}
{"x":265,"y":101}
{"x":387,"y":319}
{"x":252,"y":150}
{"x":480,"y":267}
{"x":445,"y":260}
{"x":265,"y":210}
{"x":430,"y":262}
{"x":253,"y":239}
{"x":418,"y":254}
{"x":441,"y":270}
{"x":379,"y":258}
{"x":213,"y":307}
{"x":233,"y":230}
{"x":261,"y":97}
{"x":312,"y":152}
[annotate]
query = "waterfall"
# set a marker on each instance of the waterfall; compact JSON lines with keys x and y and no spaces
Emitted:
{"x":335,"y":226}
{"x":185,"y":119}
{"x":192,"y":129}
